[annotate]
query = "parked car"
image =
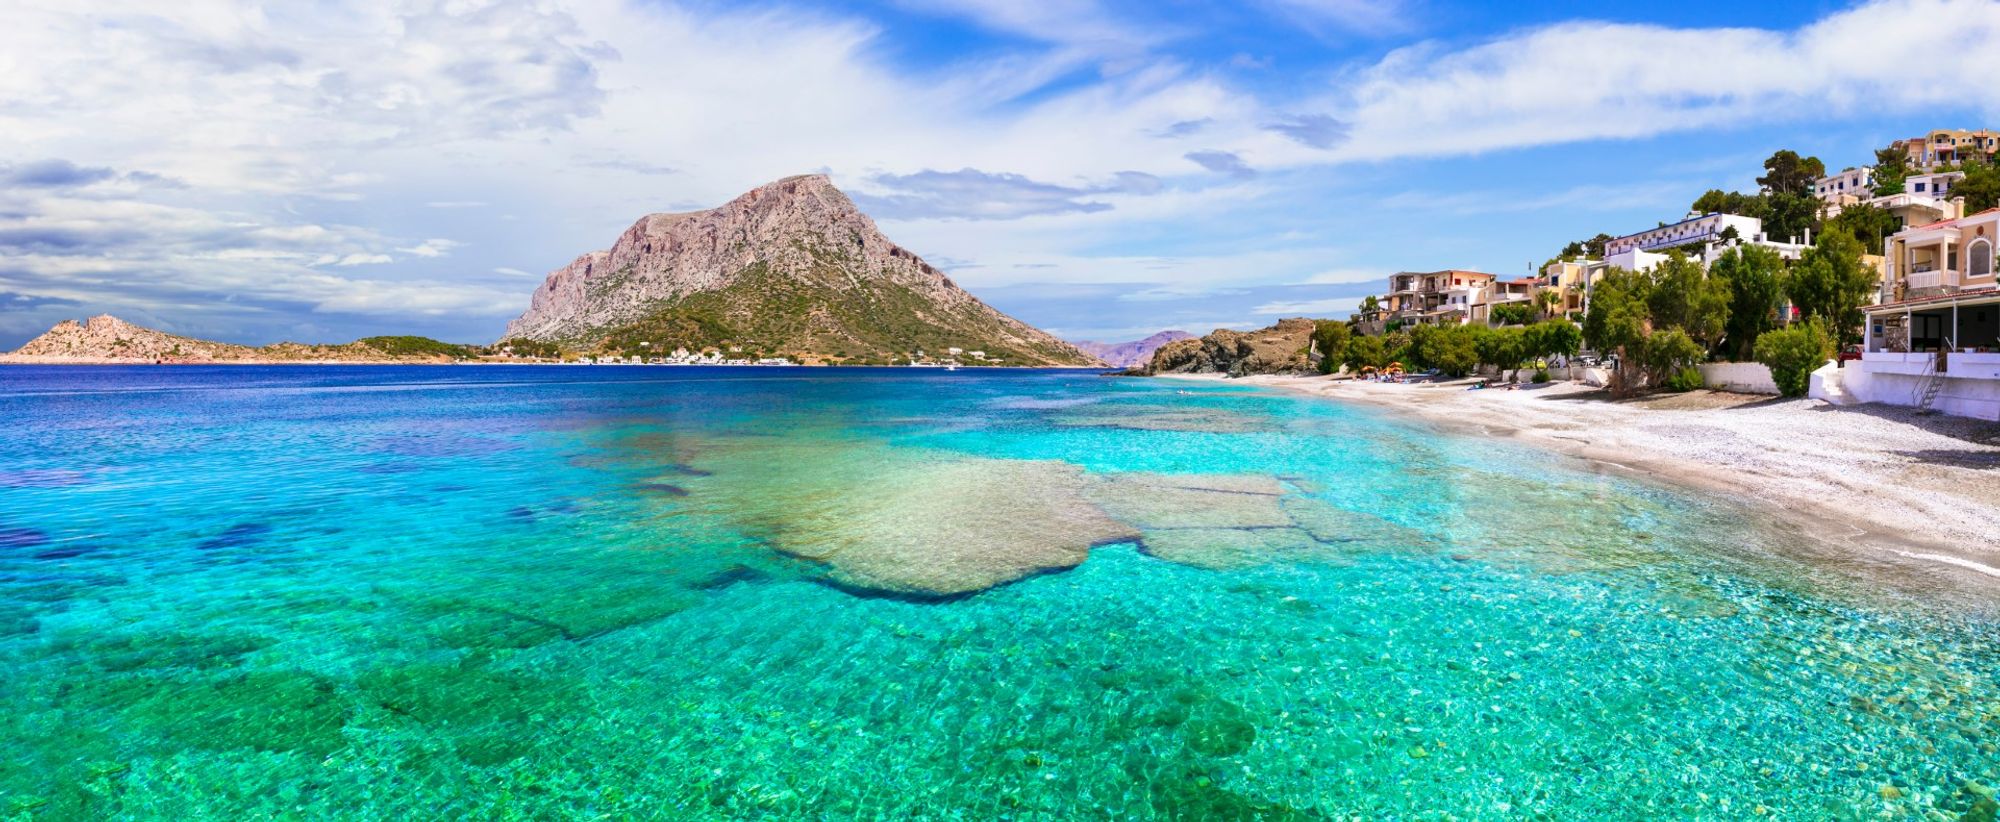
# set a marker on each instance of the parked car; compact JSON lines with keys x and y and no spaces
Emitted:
{"x":1851,"y":352}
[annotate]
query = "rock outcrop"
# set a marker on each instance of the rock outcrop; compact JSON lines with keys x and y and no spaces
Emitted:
{"x":1131,"y":354}
{"x":107,"y":339}
{"x":1281,"y":349}
{"x":791,"y":268}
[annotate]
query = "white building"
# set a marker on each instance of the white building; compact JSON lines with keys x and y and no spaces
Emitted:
{"x":1853,"y":182}
{"x":1705,"y":238}
{"x":1925,"y":199}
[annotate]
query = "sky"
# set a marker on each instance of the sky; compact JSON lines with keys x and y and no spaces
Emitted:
{"x":1103,"y":169}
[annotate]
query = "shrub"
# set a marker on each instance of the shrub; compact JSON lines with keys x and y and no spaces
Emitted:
{"x":1665,"y":353}
{"x":1793,"y":353}
{"x":1541,"y":376}
{"x":1686,"y":379}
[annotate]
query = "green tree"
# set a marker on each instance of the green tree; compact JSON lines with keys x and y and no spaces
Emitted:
{"x":1790,"y":216}
{"x":1451,"y":349}
{"x":1554,"y":338}
{"x":1502,"y":348}
{"x":1869,"y":224}
{"x":1330,"y":338}
{"x":1794,"y":353}
{"x":1788,"y":173}
{"x":1831,"y":282}
{"x":1666,"y":353}
{"x":1618,"y":322}
{"x":1981,"y":186}
{"x":1683,"y":296}
{"x":1892,"y":166}
{"x":1750,"y":273}
{"x":1511,"y":313}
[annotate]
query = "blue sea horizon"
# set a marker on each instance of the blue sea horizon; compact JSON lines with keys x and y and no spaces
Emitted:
{"x":516,"y":591}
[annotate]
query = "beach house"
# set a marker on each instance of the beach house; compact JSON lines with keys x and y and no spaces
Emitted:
{"x":1933,"y":339}
{"x":1434,"y":297}
{"x":1571,"y":280}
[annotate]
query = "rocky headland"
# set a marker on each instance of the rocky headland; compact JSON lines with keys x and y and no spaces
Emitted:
{"x":108,"y":340}
{"x":1284,"y":348}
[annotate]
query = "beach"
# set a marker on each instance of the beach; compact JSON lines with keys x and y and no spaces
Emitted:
{"x":1880,"y":478}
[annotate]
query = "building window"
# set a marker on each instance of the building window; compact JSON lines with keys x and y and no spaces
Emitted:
{"x":1920,"y":188}
{"x":1979,"y":258}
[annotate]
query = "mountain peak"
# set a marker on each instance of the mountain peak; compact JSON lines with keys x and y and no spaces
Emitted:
{"x":791,"y":267}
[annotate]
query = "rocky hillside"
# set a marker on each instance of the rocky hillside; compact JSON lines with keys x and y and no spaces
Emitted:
{"x":105,"y":338}
{"x":1131,"y":354}
{"x":791,"y":268}
{"x":1280,"y":349}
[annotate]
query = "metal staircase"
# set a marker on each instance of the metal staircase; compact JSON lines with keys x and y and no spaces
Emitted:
{"x":1933,"y":381}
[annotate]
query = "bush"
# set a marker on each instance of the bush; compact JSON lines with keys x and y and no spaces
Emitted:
{"x":1665,"y":353}
{"x":1541,"y":376}
{"x":1686,"y":379}
{"x":1793,"y":353}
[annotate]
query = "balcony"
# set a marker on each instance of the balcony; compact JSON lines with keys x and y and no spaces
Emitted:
{"x":1922,"y":277}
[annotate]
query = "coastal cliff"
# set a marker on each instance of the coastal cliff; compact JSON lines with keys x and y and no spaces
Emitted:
{"x":791,"y":268}
{"x":1280,"y":349}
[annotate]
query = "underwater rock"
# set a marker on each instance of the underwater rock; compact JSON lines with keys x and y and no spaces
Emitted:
{"x":1226,"y":548}
{"x":248,"y":533}
{"x":1151,"y":501}
{"x":910,"y":521}
{"x":22,"y":538}
{"x":42,"y":478}
{"x":1156,"y":418}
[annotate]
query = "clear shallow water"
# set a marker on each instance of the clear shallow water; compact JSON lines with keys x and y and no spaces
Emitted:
{"x":536,"y":592}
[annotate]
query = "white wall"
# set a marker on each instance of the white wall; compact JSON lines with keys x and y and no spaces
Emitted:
{"x":1973,"y":390}
{"x":1740,"y":377}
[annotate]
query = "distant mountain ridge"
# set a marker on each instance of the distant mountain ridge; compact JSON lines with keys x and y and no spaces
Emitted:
{"x":1131,"y":354}
{"x":791,"y":268}
{"x":105,"y":338}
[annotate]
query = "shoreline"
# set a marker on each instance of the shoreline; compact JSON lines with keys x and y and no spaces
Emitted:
{"x":1884,"y":484}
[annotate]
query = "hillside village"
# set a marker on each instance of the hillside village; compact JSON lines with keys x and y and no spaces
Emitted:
{"x":1867,"y":284}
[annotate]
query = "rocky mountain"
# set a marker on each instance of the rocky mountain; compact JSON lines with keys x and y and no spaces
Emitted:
{"x":791,"y":268}
{"x":1280,"y":349}
{"x":1131,"y":354}
{"x":105,"y":338}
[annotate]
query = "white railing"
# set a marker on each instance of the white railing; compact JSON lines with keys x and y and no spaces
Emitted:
{"x":1932,"y":278}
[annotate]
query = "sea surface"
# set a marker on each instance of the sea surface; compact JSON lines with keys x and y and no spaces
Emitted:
{"x":566,"y":592}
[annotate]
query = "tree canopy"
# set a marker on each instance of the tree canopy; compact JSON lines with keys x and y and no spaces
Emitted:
{"x":1892,"y":166}
{"x":1788,"y":173}
{"x":1981,"y":186}
{"x":1831,"y":282}
{"x":1751,"y":275}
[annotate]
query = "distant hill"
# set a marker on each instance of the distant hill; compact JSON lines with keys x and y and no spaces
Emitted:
{"x":1131,"y":354}
{"x":1280,"y":349}
{"x":105,"y":338}
{"x":791,"y":268}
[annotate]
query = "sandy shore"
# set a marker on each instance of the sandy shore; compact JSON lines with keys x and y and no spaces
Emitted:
{"x":1876,"y":477}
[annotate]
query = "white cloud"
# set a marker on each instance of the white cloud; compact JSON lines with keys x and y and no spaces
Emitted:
{"x":1585,"y":81}
{"x":1318,"y":308}
{"x":431,"y":248}
{"x":363,"y":259}
{"x":513,"y":272}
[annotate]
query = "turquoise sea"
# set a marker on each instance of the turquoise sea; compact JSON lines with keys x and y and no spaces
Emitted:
{"x":520,"y":592}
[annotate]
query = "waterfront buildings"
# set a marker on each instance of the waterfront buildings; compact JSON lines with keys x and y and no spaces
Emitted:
{"x":1948,"y":146}
{"x":1933,"y":338}
{"x":1853,"y":182}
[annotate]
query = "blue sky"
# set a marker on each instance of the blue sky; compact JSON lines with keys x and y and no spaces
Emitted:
{"x":1100,"y":168}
